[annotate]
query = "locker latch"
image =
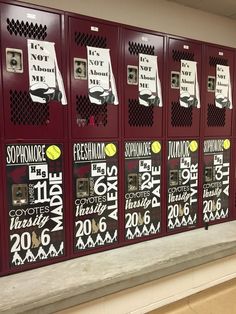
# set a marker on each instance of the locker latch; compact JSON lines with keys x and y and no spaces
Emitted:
{"x":82,"y":187}
{"x":175,"y":80}
{"x":14,"y":60}
{"x":19,"y":194}
{"x":211,"y":84}
{"x":132,"y":75}
{"x":208,"y":173}
{"x":132,"y":182}
{"x":80,"y":69}
{"x":174,"y":177}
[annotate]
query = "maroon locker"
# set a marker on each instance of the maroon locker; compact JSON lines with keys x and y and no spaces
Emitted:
{"x":181,"y":121}
{"x":22,"y":117}
{"x":217,"y":121}
{"x":141,"y":121}
{"x":143,"y":189}
{"x":216,"y":191}
{"x":89,"y":119}
{"x":2,"y":225}
{"x":34,"y":219}
{"x":233,"y":180}
{"x":95,"y":199}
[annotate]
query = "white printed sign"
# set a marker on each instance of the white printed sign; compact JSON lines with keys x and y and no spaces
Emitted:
{"x":149,"y":81}
{"x":223,"y":91}
{"x":45,"y":79}
{"x":101,"y":81}
{"x":38,"y":172}
{"x":189,"y":88}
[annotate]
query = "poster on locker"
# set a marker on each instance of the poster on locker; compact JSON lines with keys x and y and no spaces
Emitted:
{"x":216,"y":179}
{"x":182,"y":189}
{"x":95,"y":184}
{"x":35,"y":202}
{"x":142,"y":189}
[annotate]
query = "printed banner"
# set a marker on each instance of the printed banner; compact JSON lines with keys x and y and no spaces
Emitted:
{"x":216,"y":179}
{"x":182,"y":198}
{"x":189,"y":87}
{"x":142,"y":189}
{"x":35,"y":202}
{"x":101,"y":81}
{"x":95,"y":180}
{"x":45,"y":78}
{"x":223,"y":91}
{"x":149,"y":81}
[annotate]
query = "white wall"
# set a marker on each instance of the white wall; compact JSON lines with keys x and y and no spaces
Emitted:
{"x":158,"y":15}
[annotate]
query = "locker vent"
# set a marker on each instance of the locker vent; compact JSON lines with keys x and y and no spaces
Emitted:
{"x":90,"y":114}
{"x":180,"y":116}
{"x":26,"y":29}
{"x":140,"y":116}
{"x":136,"y":48}
{"x":82,"y":39}
{"x":179,"y":55}
{"x":213,"y":61}
{"x":215,"y":116}
{"x":26,"y":112}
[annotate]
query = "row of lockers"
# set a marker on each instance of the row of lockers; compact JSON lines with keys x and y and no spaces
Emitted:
{"x":60,"y":204}
{"x":99,"y":148}
{"x":129,"y":52}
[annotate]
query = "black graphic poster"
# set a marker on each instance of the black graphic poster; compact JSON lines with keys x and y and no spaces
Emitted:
{"x":216,"y":179}
{"x":142,"y":189}
{"x":182,"y":189}
{"x":95,"y":182}
{"x":35,"y":202}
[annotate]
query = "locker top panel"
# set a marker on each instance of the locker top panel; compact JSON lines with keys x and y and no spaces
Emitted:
{"x":143,"y":81}
{"x":182,"y":118}
{"x":42,"y":114}
{"x":93,"y":62}
{"x":217,"y":113}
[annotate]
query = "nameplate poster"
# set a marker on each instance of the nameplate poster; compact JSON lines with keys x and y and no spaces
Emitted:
{"x":142,"y":188}
{"x":216,"y":179}
{"x":35,"y":202}
{"x":182,"y":187}
{"x":95,"y":185}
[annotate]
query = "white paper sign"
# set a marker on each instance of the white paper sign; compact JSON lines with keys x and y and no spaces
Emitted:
{"x":223,"y":91}
{"x":101,"y":81}
{"x":149,"y":82}
{"x":189,"y":87}
{"x":45,"y":79}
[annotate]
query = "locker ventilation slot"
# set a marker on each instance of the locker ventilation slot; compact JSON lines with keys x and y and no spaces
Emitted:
{"x":180,"y":116}
{"x":140,"y":116}
{"x":179,"y":55}
{"x":215,"y":116}
{"x":90,"y":114}
{"x":82,"y":39}
{"x":26,"y":29}
{"x":213,"y":61}
{"x":136,"y":48}
{"x":26,"y":112}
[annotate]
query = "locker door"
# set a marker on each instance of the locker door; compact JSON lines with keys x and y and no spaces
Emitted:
{"x":142,"y":120}
{"x":89,"y":117}
{"x":218,"y":118}
{"x":182,"y":121}
{"x":24,"y":118}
